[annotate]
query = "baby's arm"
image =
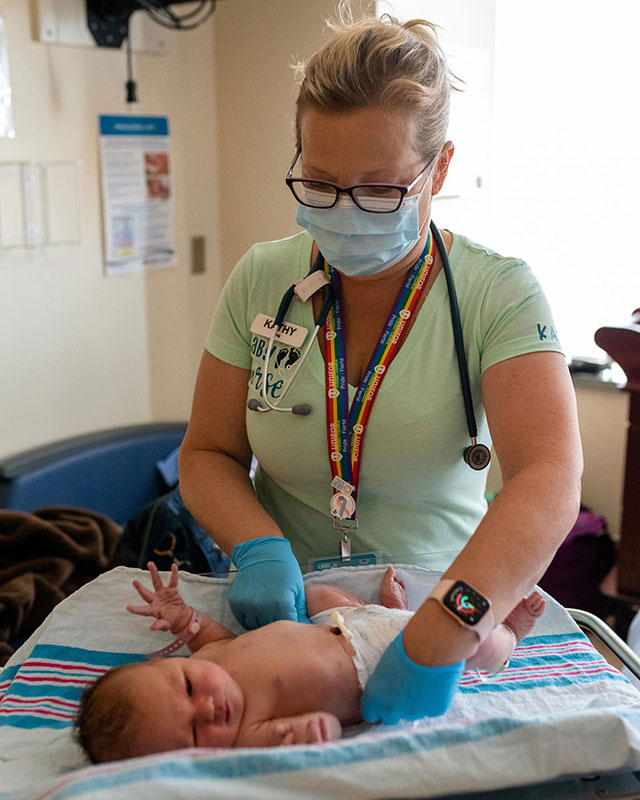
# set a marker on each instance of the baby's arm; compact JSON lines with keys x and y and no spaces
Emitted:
{"x":172,"y":614}
{"x":315,"y":727}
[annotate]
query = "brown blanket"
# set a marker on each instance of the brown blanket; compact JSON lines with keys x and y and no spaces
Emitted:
{"x":44,"y":557}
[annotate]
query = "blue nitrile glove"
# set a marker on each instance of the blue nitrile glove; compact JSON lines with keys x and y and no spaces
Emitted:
{"x":401,"y":689}
{"x":268,"y":585}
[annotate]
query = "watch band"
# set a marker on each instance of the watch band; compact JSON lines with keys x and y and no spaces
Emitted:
{"x":182,"y":639}
{"x":453,"y":592}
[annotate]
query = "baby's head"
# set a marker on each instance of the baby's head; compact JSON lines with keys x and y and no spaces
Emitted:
{"x":159,"y":705}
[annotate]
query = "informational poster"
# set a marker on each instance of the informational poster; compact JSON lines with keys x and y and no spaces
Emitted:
{"x":137,"y":193}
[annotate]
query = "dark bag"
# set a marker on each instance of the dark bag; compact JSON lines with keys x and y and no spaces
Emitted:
{"x":584,"y":558}
{"x":166,"y":533}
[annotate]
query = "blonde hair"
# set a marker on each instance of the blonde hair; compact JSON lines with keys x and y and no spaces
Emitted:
{"x":383,"y":63}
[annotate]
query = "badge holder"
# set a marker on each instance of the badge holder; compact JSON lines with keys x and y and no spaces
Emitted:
{"x":346,"y":557}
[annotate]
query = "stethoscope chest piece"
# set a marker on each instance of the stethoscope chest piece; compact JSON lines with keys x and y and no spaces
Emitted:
{"x":477,"y":456}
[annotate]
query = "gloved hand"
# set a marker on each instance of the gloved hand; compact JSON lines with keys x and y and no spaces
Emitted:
{"x":268,"y":585}
{"x":401,"y":689}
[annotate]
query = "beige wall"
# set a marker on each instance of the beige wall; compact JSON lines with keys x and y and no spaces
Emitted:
{"x":80,"y":352}
{"x":256,"y":43}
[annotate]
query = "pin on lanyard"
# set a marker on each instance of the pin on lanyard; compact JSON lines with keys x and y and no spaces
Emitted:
{"x":346,"y":428}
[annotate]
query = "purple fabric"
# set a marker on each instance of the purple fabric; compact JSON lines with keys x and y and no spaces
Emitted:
{"x":582,"y":561}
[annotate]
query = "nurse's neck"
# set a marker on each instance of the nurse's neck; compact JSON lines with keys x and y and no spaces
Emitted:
{"x":389,"y":280}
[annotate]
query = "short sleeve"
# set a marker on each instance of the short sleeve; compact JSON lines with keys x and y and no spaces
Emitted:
{"x":515,"y":317}
{"x":229,"y":337}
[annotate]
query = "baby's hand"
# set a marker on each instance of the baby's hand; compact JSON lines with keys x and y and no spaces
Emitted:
{"x":314,"y":728}
{"x":165,"y":604}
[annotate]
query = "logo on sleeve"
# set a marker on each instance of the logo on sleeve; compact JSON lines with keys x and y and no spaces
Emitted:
{"x":547,"y":332}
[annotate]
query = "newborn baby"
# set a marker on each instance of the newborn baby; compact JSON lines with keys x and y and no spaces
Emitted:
{"x":285,"y":683}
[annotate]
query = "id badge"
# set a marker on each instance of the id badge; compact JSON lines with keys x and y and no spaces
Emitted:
{"x":293,"y":335}
{"x":359,"y":560}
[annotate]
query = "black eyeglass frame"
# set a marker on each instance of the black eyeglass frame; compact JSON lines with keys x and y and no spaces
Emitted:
{"x":403,"y":188}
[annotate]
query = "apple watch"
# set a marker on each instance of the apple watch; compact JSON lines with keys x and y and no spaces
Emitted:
{"x":466,"y":605}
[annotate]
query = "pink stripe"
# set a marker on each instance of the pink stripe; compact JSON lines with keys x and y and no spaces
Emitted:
{"x":60,"y":665}
{"x":540,"y":675}
{"x":37,"y":712}
{"x":544,"y":667}
{"x":55,"y":700}
{"x":557,"y":646}
{"x":51,"y":679}
{"x":563,"y":674}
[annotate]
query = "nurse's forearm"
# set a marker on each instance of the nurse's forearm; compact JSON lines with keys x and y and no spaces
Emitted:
{"x":506,"y":556}
{"x":218,"y":492}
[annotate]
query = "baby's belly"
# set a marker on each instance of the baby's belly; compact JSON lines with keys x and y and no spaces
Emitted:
{"x":314,"y":671}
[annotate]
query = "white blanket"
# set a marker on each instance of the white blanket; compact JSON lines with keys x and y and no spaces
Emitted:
{"x":559,"y":709}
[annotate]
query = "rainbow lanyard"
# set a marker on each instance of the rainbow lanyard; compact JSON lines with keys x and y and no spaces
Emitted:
{"x":346,"y":429}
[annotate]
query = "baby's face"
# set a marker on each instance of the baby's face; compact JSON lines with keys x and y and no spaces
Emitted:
{"x":183,"y":702}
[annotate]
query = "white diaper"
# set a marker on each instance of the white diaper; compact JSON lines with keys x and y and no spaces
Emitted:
{"x":373,"y":629}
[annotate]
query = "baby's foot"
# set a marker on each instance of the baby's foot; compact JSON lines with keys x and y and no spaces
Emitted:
{"x":392,"y":591}
{"x":497,"y":648}
{"x":523,"y":617}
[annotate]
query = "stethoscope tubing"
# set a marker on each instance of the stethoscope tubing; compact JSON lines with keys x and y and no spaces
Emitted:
{"x":456,"y":324}
{"x":302,"y":409}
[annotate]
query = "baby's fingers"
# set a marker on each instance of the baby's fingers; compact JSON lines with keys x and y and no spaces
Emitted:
{"x":173,"y":581}
{"x":144,"y":611}
{"x":161,"y":625}
{"x":142,"y":590}
{"x":156,"y":580}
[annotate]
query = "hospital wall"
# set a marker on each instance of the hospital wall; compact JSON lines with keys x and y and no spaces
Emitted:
{"x":80,"y":351}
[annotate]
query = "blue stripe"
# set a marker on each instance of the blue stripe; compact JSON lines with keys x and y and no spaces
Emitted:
{"x":556,"y":659}
{"x":30,"y":691}
{"x":29,"y":721}
{"x":555,"y":638}
{"x":125,"y":125}
{"x":540,"y":683}
{"x":8,"y":673}
{"x":98,"y":658}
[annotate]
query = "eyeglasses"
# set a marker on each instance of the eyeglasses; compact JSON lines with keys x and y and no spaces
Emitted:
{"x":377,"y":198}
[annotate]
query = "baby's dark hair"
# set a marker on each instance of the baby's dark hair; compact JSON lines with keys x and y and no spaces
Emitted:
{"x":102,"y":725}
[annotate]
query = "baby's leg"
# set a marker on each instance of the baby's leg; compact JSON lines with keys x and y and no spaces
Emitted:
{"x":320,"y":597}
{"x":498,"y":646}
{"x":392,"y":592}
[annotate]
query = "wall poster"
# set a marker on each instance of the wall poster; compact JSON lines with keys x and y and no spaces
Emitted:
{"x":136,"y":193}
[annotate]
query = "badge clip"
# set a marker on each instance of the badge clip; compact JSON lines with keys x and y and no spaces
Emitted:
{"x":345,"y":548}
{"x":305,"y":287}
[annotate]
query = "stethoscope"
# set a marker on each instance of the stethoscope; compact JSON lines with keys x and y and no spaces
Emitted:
{"x":476,"y":455}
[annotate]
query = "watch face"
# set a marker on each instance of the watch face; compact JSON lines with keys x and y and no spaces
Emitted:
{"x":467,"y":604}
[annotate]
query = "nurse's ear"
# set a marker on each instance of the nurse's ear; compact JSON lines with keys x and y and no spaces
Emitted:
{"x":442,"y":167}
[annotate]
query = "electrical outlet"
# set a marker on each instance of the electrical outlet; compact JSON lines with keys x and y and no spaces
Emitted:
{"x":198,"y":260}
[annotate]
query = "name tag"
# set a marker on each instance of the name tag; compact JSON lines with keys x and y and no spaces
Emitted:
{"x":293,"y":335}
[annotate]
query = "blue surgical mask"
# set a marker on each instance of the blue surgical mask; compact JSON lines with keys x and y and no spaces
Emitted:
{"x":357,"y":242}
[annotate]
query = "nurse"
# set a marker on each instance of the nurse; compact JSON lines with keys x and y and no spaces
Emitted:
{"x":376,"y":470}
